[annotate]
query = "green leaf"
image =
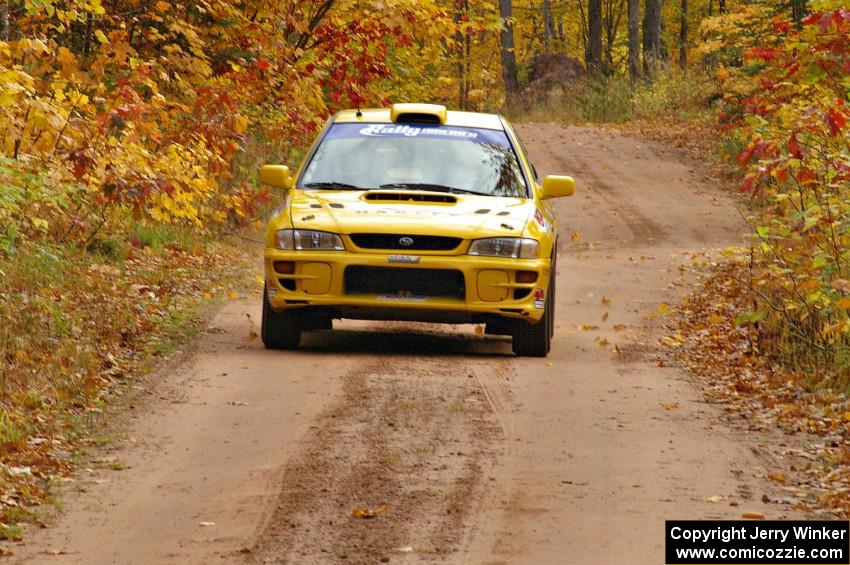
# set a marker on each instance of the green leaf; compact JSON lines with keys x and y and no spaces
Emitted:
{"x":750,"y":317}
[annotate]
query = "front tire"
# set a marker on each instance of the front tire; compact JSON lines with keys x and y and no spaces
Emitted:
{"x":280,"y":330}
{"x":536,"y":340}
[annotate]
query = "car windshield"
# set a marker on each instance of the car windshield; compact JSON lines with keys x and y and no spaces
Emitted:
{"x":415,"y":157}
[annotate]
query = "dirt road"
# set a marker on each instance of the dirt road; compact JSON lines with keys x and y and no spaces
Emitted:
{"x":468,"y":454}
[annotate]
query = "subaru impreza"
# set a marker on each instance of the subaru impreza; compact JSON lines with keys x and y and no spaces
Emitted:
{"x":413,"y":213}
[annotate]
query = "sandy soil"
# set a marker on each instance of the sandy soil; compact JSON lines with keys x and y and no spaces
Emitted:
{"x":465,"y":453}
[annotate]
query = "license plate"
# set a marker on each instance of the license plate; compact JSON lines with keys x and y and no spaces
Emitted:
{"x":399,"y":297}
{"x":404,"y":258}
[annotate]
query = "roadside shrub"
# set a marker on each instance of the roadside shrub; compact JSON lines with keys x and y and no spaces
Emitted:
{"x":797,"y":159}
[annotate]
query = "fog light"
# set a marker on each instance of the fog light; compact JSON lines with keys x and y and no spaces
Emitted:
{"x":526,"y":277}
{"x":284,"y":267}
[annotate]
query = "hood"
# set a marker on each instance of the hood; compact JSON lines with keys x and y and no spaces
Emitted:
{"x":409,"y":212}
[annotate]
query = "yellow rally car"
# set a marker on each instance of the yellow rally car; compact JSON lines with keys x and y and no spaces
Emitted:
{"x":413,"y":213}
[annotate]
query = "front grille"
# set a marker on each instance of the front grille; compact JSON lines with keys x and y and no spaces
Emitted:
{"x":394,"y":241}
{"x":405,"y":282}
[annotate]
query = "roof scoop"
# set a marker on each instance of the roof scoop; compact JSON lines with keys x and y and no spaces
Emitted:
{"x":419,"y":114}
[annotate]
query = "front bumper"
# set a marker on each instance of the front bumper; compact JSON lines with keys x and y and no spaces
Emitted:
{"x":317,"y":280}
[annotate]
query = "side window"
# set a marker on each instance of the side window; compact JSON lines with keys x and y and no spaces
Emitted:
{"x":528,"y":156}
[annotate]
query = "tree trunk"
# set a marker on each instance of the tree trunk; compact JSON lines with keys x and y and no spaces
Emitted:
{"x":634,"y":40}
{"x":612,"y":14}
{"x":546,"y":38}
{"x":721,"y":6}
{"x":562,"y":37}
{"x":508,"y":47}
{"x":582,"y":18}
{"x":683,"y":36}
{"x":651,"y":36}
{"x":87,"y":35}
{"x":593,"y":57}
{"x":460,"y":64}
{"x":553,"y":33}
{"x":798,"y":10}
{"x":467,"y":71}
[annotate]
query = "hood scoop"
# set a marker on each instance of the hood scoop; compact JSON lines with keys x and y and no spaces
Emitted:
{"x":405,"y":196}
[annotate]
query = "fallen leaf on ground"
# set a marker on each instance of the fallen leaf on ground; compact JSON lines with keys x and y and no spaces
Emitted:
{"x":752,"y":516}
{"x":367,"y":513}
{"x":714,"y":498}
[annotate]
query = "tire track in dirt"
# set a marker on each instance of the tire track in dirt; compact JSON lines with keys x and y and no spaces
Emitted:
{"x":641,"y":228}
{"x":603,"y":443}
{"x":412,"y":434}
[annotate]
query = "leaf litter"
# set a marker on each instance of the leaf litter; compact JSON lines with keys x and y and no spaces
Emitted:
{"x":760,"y":391}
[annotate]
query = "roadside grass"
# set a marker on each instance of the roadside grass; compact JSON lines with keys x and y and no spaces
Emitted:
{"x":78,"y":325}
{"x":11,"y":533}
{"x":672,"y":97}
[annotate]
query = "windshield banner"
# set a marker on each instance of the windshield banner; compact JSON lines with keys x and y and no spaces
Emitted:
{"x":485,"y":136}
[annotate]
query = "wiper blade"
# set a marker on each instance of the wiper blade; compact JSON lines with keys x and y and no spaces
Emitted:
{"x":333,"y":185}
{"x":433,"y":187}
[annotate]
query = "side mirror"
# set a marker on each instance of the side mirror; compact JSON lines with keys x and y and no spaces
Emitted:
{"x":277,"y":176}
{"x":555,"y":186}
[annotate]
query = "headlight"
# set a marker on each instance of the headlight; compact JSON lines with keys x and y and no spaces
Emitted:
{"x":307,"y":240}
{"x":516,"y":247}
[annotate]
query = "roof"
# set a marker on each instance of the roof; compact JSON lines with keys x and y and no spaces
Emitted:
{"x":454,"y":118}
